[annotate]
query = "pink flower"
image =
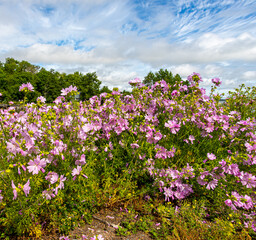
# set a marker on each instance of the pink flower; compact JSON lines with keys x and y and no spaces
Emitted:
{"x":15,"y":193}
{"x":229,"y":203}
{"x":48,"y":194}
{"x":157,"y":137}
{"x":13,"y":146}
{"x":103,"y":95}
{"x":249,"y":147}
{"x":191,"y":138}
{"x":36,"y":165}
{"x":76,"y":171}
{"x":135,"y":145}
{"x":211,"y":156}
{"x":99,"y":237}
{"x":64,"y":238}
{"x":27,"y":86}
{"x":173,"y":125}
{"x":41,"y":99}
{"x":59,"y":100}
{"x":26,"y":188}
{"x":52,"y":177}
{"x":233,"y":169}
{"x":248,"y":180}
{"x":59,"y":147}
{"x":216,"y":81}
{"x":212,"y":184}
{"x":135,"y":81}
{"x":183,"y":88}
{"x":168,"y":194}
{"x":195,"y":77}
{"x":87,"y":127}
{"x":61,"y":185}
{"x":81,"y":161}
{"x":68,"y":90}
{"x":200,"y":179}
{"x":163,"y":153}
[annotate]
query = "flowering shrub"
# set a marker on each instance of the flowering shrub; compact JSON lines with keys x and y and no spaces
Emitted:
{"x":60,"y":161}
{"x":242,"y":100}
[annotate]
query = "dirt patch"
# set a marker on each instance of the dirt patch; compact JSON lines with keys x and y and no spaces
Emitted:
{"x":105,"y":222}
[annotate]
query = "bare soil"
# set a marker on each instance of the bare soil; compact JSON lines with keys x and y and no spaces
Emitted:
{"x":105,"y":222}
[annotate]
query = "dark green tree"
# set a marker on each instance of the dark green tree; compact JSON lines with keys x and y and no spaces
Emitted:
{"x":14,"y":73}
{"x":11,"y":65}
{"x":48,"y":84}
{"x":125,"y":92}
{"x":105,"y":89}
{"x":89,"y":86}
{"x":25,"y":66}
{"x":166,"y":75}
{"x":72,"y":79}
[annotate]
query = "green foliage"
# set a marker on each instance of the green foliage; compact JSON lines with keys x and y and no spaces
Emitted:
{"x":46,"y":83}
{"x":89,"y":85}
{"x":242,"y":100}
{"x":125,"y":93}
{"x":190,"y":222}
{"x":105,"y":89}
{"x":165,"y":75}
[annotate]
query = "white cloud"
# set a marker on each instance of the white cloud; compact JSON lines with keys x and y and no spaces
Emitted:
{"x":250,"y":75}
{"x":121,"y":40}
{"x":184,"y":70}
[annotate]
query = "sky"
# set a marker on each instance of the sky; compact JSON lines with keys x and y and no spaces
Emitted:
{"x":124,"y":39}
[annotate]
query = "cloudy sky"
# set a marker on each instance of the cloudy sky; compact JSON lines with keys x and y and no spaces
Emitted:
{"x":124,"y":39}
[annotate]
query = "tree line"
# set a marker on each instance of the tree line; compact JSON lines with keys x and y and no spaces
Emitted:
{"x":48,"y":83}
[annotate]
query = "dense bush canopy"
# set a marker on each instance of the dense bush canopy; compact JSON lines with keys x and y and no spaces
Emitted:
{"x":173,"y":142}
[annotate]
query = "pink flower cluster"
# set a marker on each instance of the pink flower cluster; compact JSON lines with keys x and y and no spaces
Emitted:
{"x":216,"y":81}
{"x":41,"y":99}
{"x":70,"y":89}
{"x":239,"y":201}
{"x":135,"y":81}
{"x":27,"y":86}
{"x":26,"y":189}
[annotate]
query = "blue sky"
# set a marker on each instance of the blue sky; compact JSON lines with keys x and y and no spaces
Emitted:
{"x":124,"y":39}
